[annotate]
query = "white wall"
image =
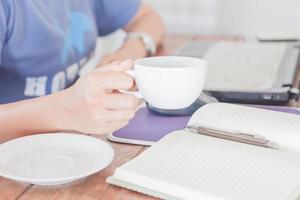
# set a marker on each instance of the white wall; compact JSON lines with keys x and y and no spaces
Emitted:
{"x":229,"y":16}
{"x":187,"y":16}
{"x":254,"y":16}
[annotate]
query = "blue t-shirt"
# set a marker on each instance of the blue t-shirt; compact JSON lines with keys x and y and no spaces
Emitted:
{"x":44,"y":43}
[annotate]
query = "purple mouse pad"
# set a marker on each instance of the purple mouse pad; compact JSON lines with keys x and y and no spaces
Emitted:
{"x":147,"y":128}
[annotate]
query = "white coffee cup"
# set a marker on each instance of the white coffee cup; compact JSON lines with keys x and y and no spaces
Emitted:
{"x":170,"y":82}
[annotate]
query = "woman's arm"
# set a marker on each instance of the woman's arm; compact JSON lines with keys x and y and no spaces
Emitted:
{"x":146,"y":21}
{"x":29,"y":116}
{"x":91,"y":105}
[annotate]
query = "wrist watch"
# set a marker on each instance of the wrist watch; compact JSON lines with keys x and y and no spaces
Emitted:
{"x":147,"y":40}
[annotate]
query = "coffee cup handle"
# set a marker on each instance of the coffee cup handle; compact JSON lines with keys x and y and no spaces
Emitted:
{"x":134,"y":93}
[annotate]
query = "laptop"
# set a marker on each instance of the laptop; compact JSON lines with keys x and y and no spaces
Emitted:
{"x":247,"y":72}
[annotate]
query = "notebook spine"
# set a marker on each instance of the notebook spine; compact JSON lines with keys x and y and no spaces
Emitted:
{"x":139,"y":189}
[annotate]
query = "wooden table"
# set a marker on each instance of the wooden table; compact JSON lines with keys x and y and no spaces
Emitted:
{"x":94,"y":187}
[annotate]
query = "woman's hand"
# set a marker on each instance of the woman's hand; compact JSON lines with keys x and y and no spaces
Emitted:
{"x":131,"y":49}
{"x":146,"y":21}
{"x":94,"y":104}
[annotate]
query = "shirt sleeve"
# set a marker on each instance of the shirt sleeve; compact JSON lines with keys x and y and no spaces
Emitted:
{"x":114,"y":14}
{"x":3,"y":28}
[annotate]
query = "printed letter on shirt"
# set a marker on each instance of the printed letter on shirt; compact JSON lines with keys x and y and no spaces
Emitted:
{"x":58,"y":82}
{"x":35,"y":86}
{"x":72,"y":72}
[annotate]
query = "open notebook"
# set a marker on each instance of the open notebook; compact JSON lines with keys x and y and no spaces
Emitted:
{"x":188,"y":165}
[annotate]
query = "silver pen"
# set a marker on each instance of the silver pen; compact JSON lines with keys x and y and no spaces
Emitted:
{"x":233,"y":136}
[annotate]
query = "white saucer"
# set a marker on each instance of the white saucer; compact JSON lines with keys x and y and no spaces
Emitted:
{"x":54,"y":158}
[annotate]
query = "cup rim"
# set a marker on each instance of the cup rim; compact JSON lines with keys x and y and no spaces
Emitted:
{"x":201,"y":63}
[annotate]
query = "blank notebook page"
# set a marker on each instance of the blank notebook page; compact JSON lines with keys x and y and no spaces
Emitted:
{"x":191,"y":166}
